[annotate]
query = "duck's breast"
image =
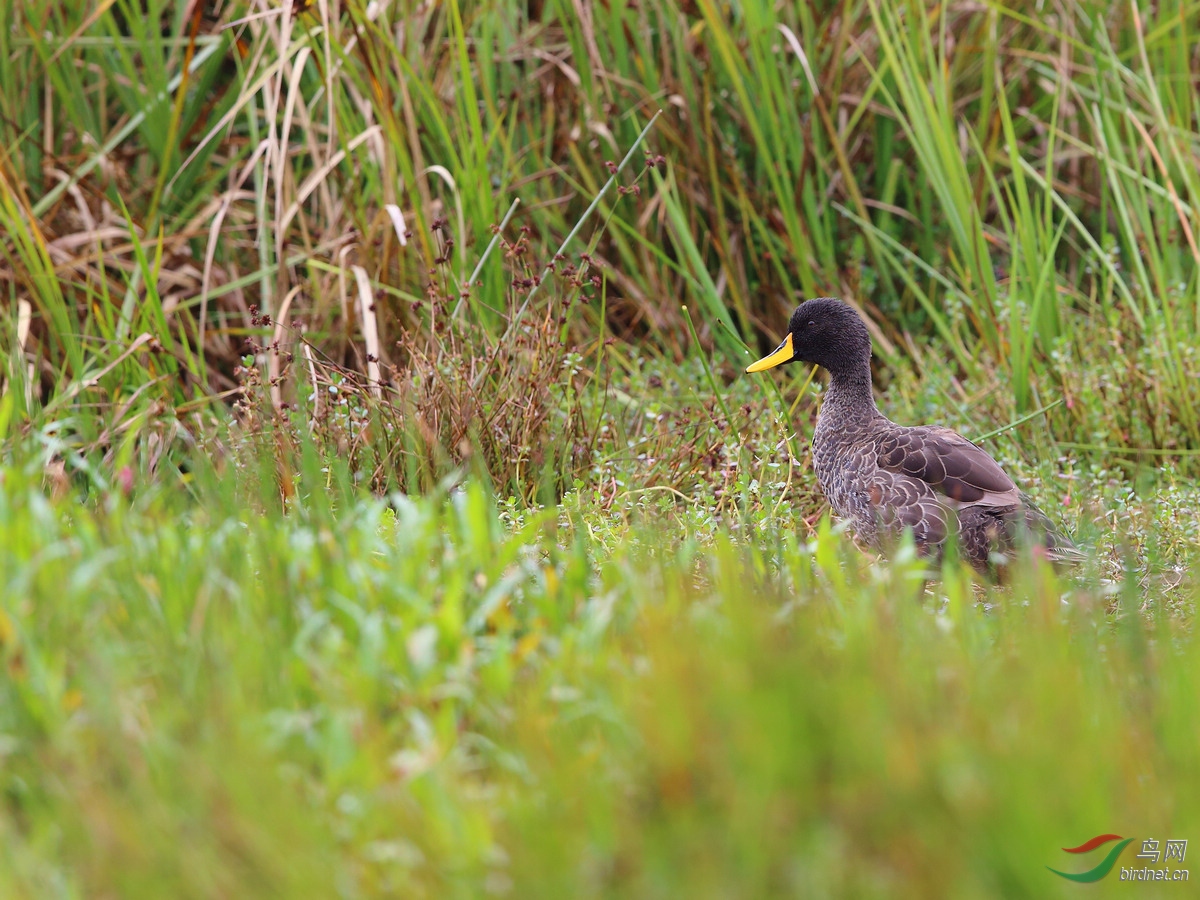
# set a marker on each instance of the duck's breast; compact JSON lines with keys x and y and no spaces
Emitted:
{"x":845,"y":468}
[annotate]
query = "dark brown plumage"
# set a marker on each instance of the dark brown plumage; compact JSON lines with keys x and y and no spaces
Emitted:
{"x":885,"y":477}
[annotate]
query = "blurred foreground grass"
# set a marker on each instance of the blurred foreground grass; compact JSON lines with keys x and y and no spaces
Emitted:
{"x":438,"y":697}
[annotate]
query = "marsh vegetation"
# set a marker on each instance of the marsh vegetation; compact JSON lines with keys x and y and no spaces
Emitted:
{"x":383,"y":512}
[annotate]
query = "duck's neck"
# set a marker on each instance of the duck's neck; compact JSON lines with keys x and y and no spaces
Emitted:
{"x":848,"y":403}
{"x":851,"y":388}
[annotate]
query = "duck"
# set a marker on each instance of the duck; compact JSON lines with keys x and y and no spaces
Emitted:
{"x":886,"y":479}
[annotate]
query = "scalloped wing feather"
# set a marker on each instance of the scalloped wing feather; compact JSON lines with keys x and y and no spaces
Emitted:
{"x":954,"y":467}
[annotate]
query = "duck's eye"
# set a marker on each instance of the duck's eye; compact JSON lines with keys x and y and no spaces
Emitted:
{"x":812,"y":324}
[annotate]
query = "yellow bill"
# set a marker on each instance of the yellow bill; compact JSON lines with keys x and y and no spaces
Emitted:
{"x":783,"y":353}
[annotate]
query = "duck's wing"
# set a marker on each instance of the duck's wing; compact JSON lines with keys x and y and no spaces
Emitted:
{"x":961,"y":473}
{"x":924,"y":472}
{"x":898,"y":501}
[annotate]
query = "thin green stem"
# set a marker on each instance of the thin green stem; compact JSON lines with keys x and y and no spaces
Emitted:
{"x":707,"y":368}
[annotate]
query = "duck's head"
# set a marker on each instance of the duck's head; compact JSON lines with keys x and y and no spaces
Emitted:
{"x":826,"y":332}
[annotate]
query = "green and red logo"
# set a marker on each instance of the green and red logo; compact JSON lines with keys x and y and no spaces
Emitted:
{"x":1157,"y":853}
{"x":1105,"y":865}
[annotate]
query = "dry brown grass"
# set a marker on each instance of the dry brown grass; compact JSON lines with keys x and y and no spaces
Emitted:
{"x":340,"y":167}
